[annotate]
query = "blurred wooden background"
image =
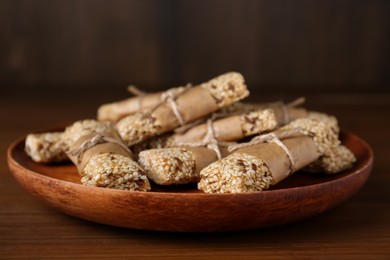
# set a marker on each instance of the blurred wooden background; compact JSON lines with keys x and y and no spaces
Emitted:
{"x":279,"y":45}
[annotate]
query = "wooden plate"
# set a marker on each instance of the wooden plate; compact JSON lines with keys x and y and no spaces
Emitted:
{"x":184,"y":208}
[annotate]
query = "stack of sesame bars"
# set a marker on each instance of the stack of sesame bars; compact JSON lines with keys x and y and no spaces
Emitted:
{"x":200,"y":134}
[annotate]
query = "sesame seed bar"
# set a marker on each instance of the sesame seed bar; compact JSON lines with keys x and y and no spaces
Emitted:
{"x":230,"y":128}
{"x":117,"y":110}
{"x":325,"y":135}
{"x":233,"y":174}
{"x":335,"y":157}
{"x":110,"y":170}
{"x":335,"y":160}
{"x":236,"y":127}
{"x":86,"y":127}
{"x":139,"y":127}
{"x":105,"y":162}
{"x":258,"y":122}
{"x":236,"y":173}
{"x":178,"y":165}
{"x":206,"y":98}
{"x":227,"y":88}
{"x":46,"y":147}
{"x":328,"y":119}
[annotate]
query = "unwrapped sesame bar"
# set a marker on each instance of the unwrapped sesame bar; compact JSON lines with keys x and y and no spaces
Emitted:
{"x":101,"y":158}
{"x":46,"y":147}
{"x":117,"y":110}
{"x":192,"y":104}
{"x":267,"y":160}
{"x":178,"y":165}
{"x":335,"y":160}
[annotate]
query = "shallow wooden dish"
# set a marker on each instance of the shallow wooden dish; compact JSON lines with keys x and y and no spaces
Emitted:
{"x":184,"y":208}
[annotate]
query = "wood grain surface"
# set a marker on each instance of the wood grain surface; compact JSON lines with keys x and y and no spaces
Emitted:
{"x":359,"y":228}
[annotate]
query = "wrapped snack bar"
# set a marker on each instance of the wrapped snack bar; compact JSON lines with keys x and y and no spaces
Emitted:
{"x":181,"y":165}
{"x":269,"y":158}
{"x":333,"y":160}
{"x":117,"y":110}
{"x":327,"y":119}
{"x":236,"y":127}
{"x":101,"y":158}
{"x":46,"y":147}
{"x":192,"y":104}
{"x":178,"y":165}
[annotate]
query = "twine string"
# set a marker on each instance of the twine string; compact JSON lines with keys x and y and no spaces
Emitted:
{"x":170,"y":97}
{"x":209,"y":140}
{"x":274,"y":137}
{"x":137,"y":93}
{"x":97,"y":139}
{"x":285,"y":108}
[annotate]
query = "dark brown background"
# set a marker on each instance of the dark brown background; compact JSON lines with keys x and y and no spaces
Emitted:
{"x":60,"y":59}
{"x":278,"y":45}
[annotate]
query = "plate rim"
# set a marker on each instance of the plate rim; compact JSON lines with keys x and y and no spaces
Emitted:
{"x":19,"y":141}
{"x":229,"y":211}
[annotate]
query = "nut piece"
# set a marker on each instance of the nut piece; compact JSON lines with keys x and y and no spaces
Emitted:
{"x":239,"y":172}
{"x":46,"y":147}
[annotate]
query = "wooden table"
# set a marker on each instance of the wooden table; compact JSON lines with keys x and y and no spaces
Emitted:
{"x":359,"y":228}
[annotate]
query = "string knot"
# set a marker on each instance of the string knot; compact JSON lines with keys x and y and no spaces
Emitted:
{"x":209,"y":140}
{"x":274,"y":137}
{"x":169,"y":97}
{"x":95,"y":140}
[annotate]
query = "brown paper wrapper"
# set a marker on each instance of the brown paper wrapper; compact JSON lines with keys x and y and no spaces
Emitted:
{"x":193,"y":104}
{"x":296,"y":113}
{"x":226,"y":129}
{"x":303,"y":150}
{"x":204,"y":156}
{"x":95,"y":150}
{"x":117,"y":110}
{"x":292,"y":114}
{"x":229,"y":128}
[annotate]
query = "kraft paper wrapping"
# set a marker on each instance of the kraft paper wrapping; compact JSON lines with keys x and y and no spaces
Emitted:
{"x":285,"y":115}
{"x":117,"y":110}
{"x":226,"y":129}
{"x":229,"y":128}
{"x":95,"y":150}
{"x":303,"y":150}
{"x":204,"y":156}
{"x":193,"y":104}
{"x":296,"y":113}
